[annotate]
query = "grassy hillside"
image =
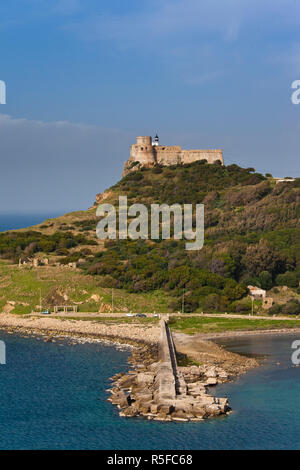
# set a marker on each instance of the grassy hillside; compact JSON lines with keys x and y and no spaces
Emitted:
{"x":20,"y":291}
{"x":251,"y":237}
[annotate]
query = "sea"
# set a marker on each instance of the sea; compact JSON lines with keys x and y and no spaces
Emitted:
{"x":14,"y":221}
{"x":54,"y":396}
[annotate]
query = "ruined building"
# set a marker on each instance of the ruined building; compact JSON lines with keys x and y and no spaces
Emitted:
{"x":146,"y":153}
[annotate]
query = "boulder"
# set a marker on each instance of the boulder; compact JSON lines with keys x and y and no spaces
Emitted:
{"x":167,"y":409}
{"x":211,"y":373}
{"x":126,"y":381}
{"x":129,"y":412}
{"x":154,"y":408}
{"x":199,"y":412}
{"x":145,"y":378}
{"x":211,"y":381}
{"x":214,"y":410}
{"x":179,"y":415}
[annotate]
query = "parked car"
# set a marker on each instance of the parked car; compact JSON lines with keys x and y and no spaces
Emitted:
{"x":46,"y":312}
{"x":141,"y":315}
{"x":129,"y":314}
{"x":155,"y":314}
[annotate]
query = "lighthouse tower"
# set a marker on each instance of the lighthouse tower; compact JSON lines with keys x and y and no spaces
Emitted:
{"x":156,"y":141}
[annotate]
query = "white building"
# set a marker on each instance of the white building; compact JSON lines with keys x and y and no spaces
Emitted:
{"x":257,"y":292}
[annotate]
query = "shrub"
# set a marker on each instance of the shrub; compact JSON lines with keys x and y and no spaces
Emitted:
{"x":242,"y":307}
{"x":275,"y":309}
{"x":265,"y":280}
{"x":289,"y":278}
{"x":292,"y":307}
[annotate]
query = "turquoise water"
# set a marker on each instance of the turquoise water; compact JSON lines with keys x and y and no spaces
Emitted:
{"x":53,"y":397}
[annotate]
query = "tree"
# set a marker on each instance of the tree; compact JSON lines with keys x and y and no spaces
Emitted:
{"x":289,"y":278}
{"x":263,"y":257}
{"x":265,"y":280}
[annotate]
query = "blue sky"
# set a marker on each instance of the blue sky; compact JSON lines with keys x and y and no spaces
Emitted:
{"x":84,"y":77}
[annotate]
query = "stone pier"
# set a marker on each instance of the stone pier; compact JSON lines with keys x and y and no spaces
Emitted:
{"x":158,"y":390}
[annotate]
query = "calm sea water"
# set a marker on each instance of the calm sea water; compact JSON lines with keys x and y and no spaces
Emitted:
{"x":15,"y":221}
{"x":53,"y":397}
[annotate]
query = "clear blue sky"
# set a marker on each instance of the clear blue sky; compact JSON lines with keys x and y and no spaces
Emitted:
{"x":84,"y":77}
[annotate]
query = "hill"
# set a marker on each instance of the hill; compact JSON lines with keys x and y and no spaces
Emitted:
{"x":251,"y":237}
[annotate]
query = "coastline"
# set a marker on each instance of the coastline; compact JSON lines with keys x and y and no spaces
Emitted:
{"x":202,"y":361}
{"x":132,"y":336}
{"x":198,"y":348}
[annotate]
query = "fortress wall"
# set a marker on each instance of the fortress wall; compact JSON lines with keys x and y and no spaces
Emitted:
{"x":169,"y":155}
{"x":189,"y":156}
{"x":149,"y":155}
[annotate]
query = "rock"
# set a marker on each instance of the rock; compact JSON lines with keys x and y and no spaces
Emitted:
{"x":126,"y":381}
{"x":165,"y":409}
{"x":199,"y":412}
{"x":141,"y":399}
{"x":145,"y":378}
{"x":129,"y":412}
{"x":154,"y":408}
{"x":211,"y":381}
{"x":95,"y":297}
{"x":179,"y":415}
{"x":196,"y":389}
{"x":143,"y":407}
{"x":211,"y":373}
{"x":223,"y":375}
{"x":194,"y":370}
{"x":154,"y":366}
{"x":214,"y":410}
{"x":118,"y":398}
{"x":223,"y":402}
{"x":205,"y":400}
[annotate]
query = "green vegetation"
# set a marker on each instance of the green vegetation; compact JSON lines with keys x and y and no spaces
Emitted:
{"x":24,"y":244}
{"x":23,"y":287}
{"x":190,"y":325}
{"x":169,"y":184}
{"x":252,"y":236}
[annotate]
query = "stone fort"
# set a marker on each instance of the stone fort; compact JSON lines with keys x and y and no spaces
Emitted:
{"x":146,"y":153}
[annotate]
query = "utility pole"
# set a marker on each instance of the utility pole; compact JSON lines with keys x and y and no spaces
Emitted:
{"x":183,"y":301}
{"x":40,"y":299}
{"x":252,"y":298}
{"x":112,"y":299}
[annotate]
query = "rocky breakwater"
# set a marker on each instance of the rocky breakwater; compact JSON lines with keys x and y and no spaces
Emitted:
{"x":157,"y":388}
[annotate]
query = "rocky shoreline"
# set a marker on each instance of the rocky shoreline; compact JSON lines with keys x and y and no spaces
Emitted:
{"x":138,"y":392}
{"x":135,"y":392}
